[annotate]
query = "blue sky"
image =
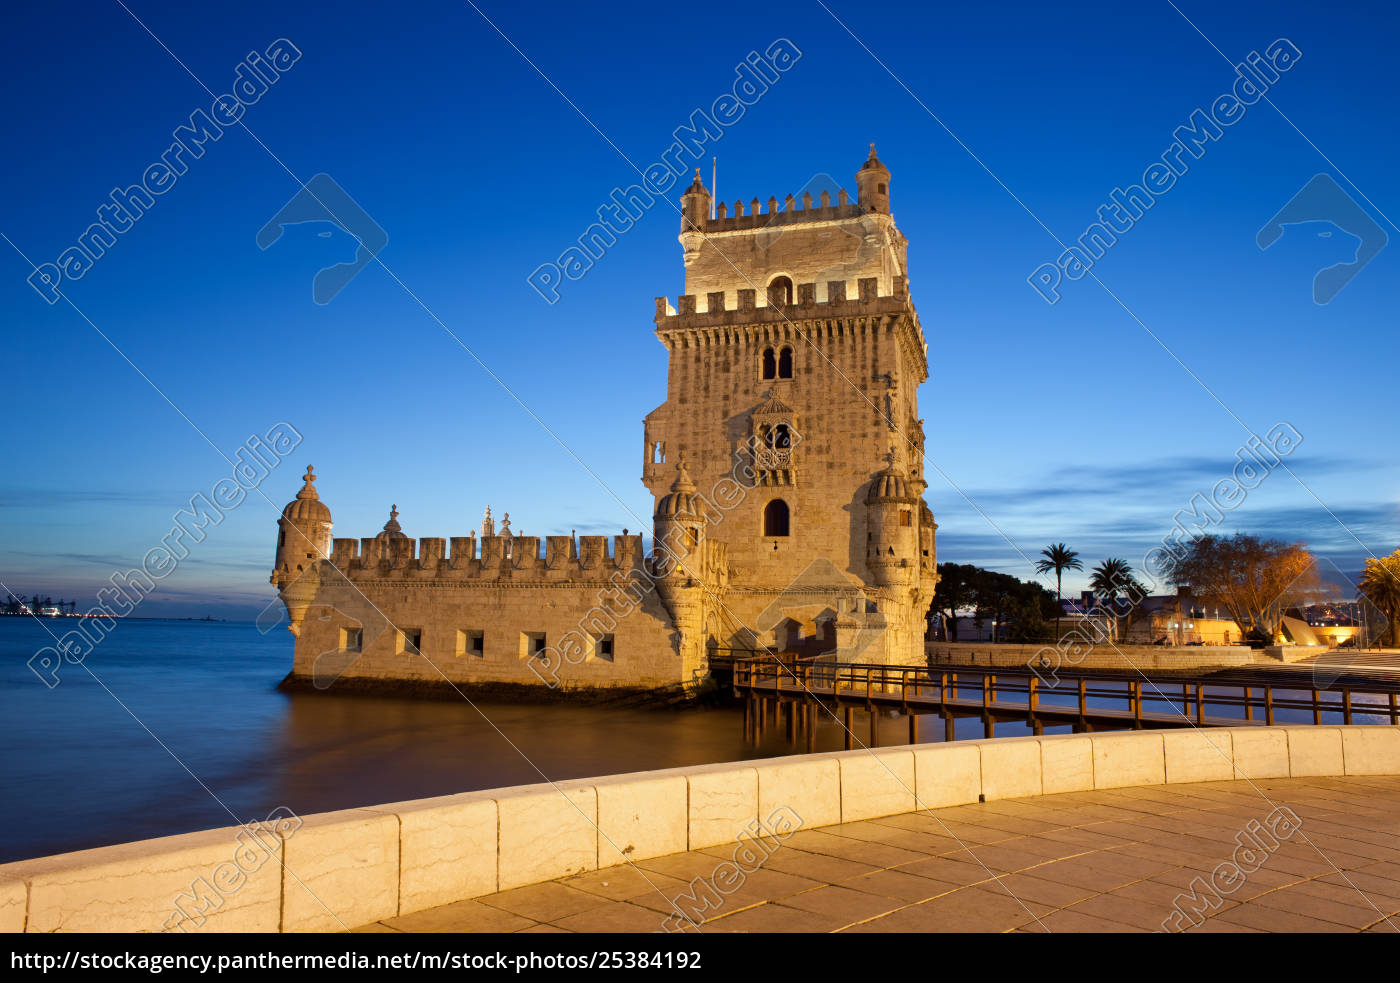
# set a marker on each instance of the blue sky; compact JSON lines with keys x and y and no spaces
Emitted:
{"x":1068,"y":422}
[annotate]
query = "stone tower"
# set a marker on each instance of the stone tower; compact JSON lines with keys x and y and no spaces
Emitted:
{"x":795,"y":357}
{"x":303,"y":538}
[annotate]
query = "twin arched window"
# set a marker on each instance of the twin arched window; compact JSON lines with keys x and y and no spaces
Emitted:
{"x":777,"y":363}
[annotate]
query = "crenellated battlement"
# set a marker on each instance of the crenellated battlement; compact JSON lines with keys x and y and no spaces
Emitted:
{"x":487,"y":558}
{"x":840,"y":301}
{"x":793,"y":212}
{"x":842,"y":312}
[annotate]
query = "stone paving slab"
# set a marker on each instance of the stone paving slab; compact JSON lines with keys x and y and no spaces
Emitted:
{"x":1199,"y":858}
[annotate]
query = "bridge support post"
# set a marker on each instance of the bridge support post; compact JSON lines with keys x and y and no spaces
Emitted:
{"x":848,"y":720}
{"x":948,"y":732}
{"x":913,"y":728}
{"x":874,"y":727}
{"x":989,"y":727}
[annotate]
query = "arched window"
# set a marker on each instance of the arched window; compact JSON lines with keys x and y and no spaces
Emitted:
{"x":785,"y":364}
{"x":780,"y":291}
{"x":779,"y":438}
{"x":770,"y":364}
{"x":775,"y":518}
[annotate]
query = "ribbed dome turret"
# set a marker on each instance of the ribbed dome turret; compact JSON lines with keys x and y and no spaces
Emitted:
{"x":890,"y":485}
{"x":307,"y":506}
{"x":680,"y":501}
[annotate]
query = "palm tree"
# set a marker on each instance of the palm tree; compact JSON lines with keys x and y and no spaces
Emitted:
{"x":1111,"y":578}
{"x":1108,"y":577}
{"x":1380,"y":584}
{"x":1058,"y":558}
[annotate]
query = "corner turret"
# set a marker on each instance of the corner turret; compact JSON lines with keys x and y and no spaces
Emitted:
{"x":303,"y":533}
{"x":695,"y":213}
{"x":873,"y":185}
{"x":891,"y":507}
{"x":677,"y":526}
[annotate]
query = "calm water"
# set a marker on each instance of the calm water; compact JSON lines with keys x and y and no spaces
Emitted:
{"x":80,"y":771}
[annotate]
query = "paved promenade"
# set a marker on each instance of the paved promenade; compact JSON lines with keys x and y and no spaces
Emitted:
{"x":1116,"y":860}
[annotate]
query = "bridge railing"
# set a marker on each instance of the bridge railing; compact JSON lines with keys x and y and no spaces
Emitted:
{"x":1201,"y":700}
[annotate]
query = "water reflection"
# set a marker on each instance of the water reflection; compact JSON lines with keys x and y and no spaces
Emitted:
{"x":86,"y":773}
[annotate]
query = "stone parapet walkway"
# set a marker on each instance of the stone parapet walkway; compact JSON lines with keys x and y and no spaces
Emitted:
{"x":1273,"y":855}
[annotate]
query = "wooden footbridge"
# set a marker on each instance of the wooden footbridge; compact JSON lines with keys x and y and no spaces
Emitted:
{"x":801,"y":689}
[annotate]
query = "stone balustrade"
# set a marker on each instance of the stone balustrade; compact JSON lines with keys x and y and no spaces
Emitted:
{"x":343,"y":869}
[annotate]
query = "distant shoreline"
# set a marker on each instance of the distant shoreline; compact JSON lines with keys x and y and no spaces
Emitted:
{"x":115,"y":617}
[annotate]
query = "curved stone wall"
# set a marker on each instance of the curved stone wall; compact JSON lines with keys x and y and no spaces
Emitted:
{"x":336,"y":870}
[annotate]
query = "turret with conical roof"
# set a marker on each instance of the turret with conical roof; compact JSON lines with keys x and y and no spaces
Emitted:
{"x":695,"y":206}
{"x":695,"y":213}
{"x":304,"y":533}
{"x":873,"y":185}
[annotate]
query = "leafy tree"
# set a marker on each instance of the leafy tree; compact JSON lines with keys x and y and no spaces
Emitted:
{"x":1058,"y":558}
{"x":1380,"y":584}
{"x":994,"y":597}
{"x":1018,"y":608}
{"x":955,"y":592}
{"x":1253,"y":579}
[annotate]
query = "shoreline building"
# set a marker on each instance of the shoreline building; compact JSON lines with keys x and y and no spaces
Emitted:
{"x":786,"y":465}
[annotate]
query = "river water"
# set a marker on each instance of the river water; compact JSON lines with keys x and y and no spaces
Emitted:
{"x":179,"y":726}
{"x":93,"y":761}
